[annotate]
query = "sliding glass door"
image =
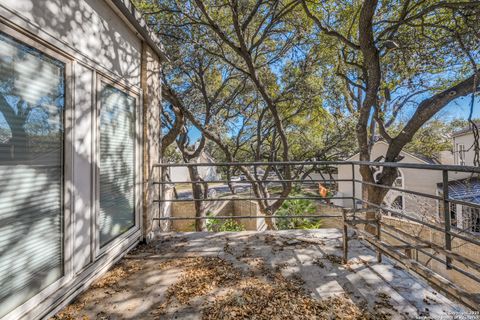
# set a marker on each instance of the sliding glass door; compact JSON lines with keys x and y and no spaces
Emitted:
{"x":116,"y":163}
{"x":32,"y":103}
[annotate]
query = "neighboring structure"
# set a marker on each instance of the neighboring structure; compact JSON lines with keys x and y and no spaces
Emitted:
{"x":463,"y":186}
{"x":79,"y":132}
{"x":416,"y":180}
{"x":207,"y":173}
{"x":463,"y":151}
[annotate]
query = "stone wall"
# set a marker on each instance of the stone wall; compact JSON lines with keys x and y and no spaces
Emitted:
{"x":324,"y":210}
{"x":217,"y":208}
{"x":248,"y":208}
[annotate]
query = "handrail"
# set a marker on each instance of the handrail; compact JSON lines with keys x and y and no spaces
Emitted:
{"x":350,"y":216}
{"x":439,"y":167}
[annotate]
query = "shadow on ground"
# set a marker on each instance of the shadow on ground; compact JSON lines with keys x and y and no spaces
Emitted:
{"x":257,"y":275}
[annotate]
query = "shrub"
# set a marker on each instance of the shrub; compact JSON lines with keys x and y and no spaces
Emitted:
{"x":218,"y":225}
{"x":297,"y":207}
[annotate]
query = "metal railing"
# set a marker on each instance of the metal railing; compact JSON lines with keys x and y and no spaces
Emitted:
{"x":376,"y":231}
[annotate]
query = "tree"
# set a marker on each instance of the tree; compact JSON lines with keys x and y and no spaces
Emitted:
{"x":395,"y":55}
{"x":431,"y":138}
{"x":244,"y":44}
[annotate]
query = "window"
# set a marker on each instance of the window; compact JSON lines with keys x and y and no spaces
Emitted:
{"x":453,"y":214}
{"x":397,"y":203}
{"x":116,"y":163}
{"x":460,"y":154}
{"x":398,"y":183}
{"x":32,"y":103}
{"x":471,"y":219}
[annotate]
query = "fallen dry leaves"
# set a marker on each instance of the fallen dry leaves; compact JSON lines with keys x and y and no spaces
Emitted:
{"x":259,"y":299}
{"x":219,"y":290}
{"x":201,"y":275}
{"x":265,"y":294}
{"x":120,"y":271}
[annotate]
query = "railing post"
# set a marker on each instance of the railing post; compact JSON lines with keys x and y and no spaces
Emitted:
{"x":379,"y":233}
{"x":447,"y":220}
{"x":345,"y":236}
{"x":161,"y":191}
{"x":354,"y":197}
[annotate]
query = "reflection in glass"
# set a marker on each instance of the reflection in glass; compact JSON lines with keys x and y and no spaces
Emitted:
{"x":117,"y":163}
{"x":32,"y":101}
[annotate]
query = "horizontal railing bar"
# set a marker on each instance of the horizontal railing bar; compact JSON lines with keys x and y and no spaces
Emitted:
{"x":313,"y":181}
{"x":421,"y":194}
{"x":464,"y":203}
{"x":470,"y":240}
{"x":249,"y":217}
{"x":401,"y":214}
{"x":361,"y":221}
{"x":456,"y":168}
{"x":419,"y":249}
{"x":253,"y":199}
{"x":240,"y":164}
{"x":467,"y":262}
{"x":453,"y":267}
{"x":431,"y":276}
{"x":256,"y":181}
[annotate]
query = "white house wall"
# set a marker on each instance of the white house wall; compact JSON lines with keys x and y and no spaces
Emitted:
{"x":467,"y":140}
{"x":424,"y":181}
{"x":90,"y":28}
{"x":100,"y":45}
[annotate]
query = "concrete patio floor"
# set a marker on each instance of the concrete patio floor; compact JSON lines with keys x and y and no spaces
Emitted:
{"x":294,"y":274}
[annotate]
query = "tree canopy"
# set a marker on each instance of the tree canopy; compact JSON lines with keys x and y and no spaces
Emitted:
{"x":279,"y":80}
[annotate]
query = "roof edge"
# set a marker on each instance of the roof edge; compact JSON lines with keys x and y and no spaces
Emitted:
{"x":464,"y":131}
{"x":406,"y":152}
{"x":127,"y":8}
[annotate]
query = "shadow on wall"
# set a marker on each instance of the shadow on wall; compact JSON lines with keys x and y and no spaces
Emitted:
{"x":91,"y":27}
{"x":31,"y":171}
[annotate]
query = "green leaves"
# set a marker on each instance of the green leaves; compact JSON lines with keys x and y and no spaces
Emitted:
{"x":298,"y":207}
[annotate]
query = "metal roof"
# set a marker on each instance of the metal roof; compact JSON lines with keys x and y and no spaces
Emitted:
{"x":464,"y":189}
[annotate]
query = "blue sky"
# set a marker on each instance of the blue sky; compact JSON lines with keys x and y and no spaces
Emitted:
{"x":460,"y":109}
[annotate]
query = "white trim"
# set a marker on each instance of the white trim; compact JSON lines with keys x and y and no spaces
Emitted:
{"x":50,"y":302}
{"x":67,"y":190}
{"x":58,"y":294}
{"x":459,"y":155}
{"x":99,"y":250}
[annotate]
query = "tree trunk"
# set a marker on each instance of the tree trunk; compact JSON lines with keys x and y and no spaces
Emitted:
{"x":375,"y":196}
{"x":197,"y":193}
{"x":269,"y":219}
{"x":19,"y":142}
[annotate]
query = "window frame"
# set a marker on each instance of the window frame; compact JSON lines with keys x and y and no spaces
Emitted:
{"x":460,"y":153}
{"x":67,"y":162}
{"x":101,"y":79}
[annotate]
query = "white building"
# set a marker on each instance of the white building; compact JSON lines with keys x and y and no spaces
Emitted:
{"x":424,"y":181}
{"x":79,"y":99}
{"x":207,"y":173}
{"x":463,"y":186}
